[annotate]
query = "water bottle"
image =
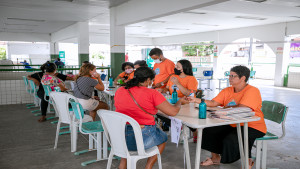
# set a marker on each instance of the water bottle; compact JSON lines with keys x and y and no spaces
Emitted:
{"x":174,"y":96}
{"x":111,"y":82}
{"x":202,"y":109}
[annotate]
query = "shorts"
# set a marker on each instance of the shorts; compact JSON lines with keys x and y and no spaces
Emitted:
{"x":152,"y":136}
{"x":90,"y":104}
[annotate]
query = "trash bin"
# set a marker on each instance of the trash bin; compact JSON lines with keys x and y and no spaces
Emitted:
{"x":285,"y":80}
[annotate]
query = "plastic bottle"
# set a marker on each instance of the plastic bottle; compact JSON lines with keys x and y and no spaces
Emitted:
{"x":174,"y":96}
{"x":111,"y":82}
{"x":202,"y":109}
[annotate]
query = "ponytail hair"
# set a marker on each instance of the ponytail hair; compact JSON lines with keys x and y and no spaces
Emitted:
{"x":85,"y":70}
{"x":141,"y":74}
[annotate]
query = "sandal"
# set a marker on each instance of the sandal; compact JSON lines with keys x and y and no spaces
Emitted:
{"x":42,"y":119}
{"x":209,"y":162}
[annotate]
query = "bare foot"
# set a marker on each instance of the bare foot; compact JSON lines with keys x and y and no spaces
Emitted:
{"x":42,"y":119}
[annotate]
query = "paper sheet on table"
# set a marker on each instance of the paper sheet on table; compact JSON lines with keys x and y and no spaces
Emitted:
{"x":175,"y":130}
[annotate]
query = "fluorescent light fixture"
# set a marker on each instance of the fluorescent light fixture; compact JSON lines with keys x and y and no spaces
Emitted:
{"x":178,"y":29}
{"x":203,"y":24}
{"x":18,"y":24}
{"x":156,"y":21}
{"x":134,"y":26}
{"x":197,"y":13}
{"x":250,"y":17}
{"x":138,"y":34}
{"x":257,"y":1}
{"x":22,"y":19}
{"x":295,"y":16}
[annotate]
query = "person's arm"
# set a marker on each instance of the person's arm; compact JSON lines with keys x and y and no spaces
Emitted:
{"x":37,"y":83}
{"x":70,"y":78}
{"x":163,"y":90}
{"x":183,"y":90}
{"x":100,"y":85}
{"x":62,"y":87}
{"x":209,"y":103}
{"x":168,"y":109}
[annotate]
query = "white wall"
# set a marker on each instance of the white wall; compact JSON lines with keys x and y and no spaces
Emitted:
{"x":39,"y":53}
{"x":25,"y":37}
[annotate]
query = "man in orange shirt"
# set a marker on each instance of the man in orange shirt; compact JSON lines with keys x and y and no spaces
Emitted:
{"x":222,"y":141}
{"x":163,"y":68}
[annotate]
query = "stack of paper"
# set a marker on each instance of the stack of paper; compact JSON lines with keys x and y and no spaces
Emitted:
{"x":233,"y":113}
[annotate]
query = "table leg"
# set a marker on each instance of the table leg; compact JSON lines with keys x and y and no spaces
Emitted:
{"x":241,"y":145}
{"x":246,"y":145}
{"x":198,"y":148}
{"x":186,"y":146}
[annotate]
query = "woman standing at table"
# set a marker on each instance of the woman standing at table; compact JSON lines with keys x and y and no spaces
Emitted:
{"x":84,"y":88}
{"x":222,"y":141}
{"x":141,"y":103}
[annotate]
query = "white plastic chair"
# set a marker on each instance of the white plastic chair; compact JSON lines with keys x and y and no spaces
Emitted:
{"x":61,"y":106}
{"x":29,"y":91}
{"x":37,"y":100}
{"x":114,"y":127}
{"x":95,"y":131}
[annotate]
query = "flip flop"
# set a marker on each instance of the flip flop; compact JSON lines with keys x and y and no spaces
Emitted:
{"x":209,"y":162}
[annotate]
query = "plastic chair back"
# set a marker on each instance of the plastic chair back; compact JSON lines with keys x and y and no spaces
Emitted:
{"x":78,"y":110}
{"x":226,"y":73}
{"x":57,"y":89}
{"x":252,"y":73}
{"x":207,"y":73}
{"x":114,"y":127}
{"x":274,"y":111}
{"x":33,"y":88}
{"x":47,"y":89}
{"x":103,"y":76}
{"x":61,"y":105}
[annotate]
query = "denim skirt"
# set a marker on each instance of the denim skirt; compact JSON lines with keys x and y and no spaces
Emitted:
{"x":152,"y":136}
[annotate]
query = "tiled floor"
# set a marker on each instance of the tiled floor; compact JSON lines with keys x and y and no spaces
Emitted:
{"x":25,"y":143}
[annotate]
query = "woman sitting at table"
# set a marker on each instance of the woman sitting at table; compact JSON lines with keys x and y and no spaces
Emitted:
{"x":222,"y":141}
{"x":84,"y":88}
{"x":37,"y":77}
{"x":183,"y":80}
{"x":128,"y":73}
{"x":150,"y":101}
{"x":50,"y":79}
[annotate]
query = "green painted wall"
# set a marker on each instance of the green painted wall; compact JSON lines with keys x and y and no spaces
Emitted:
{"x":83,"y":57}
{"x":53,"y":57}
{"x":116,"y":63}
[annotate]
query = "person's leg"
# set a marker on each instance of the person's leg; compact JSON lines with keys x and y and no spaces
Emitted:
{"x":151,"y":160}
{"x":123,"y":163}
{"x":44,"y":106}
{"x":101,"y":105}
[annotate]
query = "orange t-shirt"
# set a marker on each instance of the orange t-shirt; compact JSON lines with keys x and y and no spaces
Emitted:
{"x":188,"y":82}
{"x":163,"y":70}
{"x":129,"y":76}
{"x":250,"y":97}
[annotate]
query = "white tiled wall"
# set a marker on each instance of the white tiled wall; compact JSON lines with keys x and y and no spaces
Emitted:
{"x":13,"y":92}
{"x":294,"y":80}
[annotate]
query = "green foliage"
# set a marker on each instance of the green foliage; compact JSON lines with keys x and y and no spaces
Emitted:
{"x":98,"y":56}
{"x":204,"y":49}
{"x":2,"y":53}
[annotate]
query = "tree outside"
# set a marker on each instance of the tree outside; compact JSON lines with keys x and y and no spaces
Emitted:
{"x":2,"y":53}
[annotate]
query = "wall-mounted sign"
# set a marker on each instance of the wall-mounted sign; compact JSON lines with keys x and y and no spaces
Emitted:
{"x":62,"y":55}
{"x":295,"y":50}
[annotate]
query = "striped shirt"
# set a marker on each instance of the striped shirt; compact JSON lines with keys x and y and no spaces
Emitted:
{"x":84,"y":87}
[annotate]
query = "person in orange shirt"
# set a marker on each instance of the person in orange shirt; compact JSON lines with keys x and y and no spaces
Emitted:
{"x":163,"y":68}
{"x":183,"y":80}
{"x":128,"y":73}
{"x":222,"y":141}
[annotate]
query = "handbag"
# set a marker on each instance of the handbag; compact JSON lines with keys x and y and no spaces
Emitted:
{"x":138,"y":104}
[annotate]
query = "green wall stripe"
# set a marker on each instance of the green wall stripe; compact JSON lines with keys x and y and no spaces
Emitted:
{"x":116,"y":63}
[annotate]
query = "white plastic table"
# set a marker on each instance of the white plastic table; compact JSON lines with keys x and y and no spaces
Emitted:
{"x":110,"y":92}
{"x":188,"y":114}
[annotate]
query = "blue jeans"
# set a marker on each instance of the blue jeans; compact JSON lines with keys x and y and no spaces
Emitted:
{"x":152,"y":136}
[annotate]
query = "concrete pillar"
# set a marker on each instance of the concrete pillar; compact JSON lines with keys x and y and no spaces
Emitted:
{"x":282,"y":56}
{"x":53,"y":51}
{"x":83,"y":42}
{"x":117,"y":43}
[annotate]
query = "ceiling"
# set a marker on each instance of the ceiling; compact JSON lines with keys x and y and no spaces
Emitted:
{"x":48,"y":16}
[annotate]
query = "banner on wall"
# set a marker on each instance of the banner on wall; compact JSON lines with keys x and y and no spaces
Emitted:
{"x":295,"y":50}
{"x":62,"y":57}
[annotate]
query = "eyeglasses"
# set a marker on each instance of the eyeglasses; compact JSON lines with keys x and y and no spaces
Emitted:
{"x":232,"y":76}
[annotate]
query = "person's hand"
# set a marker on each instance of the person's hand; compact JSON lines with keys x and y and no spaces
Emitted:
{"x":192,"y":99}
{"x":61,"y":85}
{"x":96,"y":75}
{"x":175,"y":80}
{"x":157,"y":85}
{"x":96,"y":97}
{"x":160,"y":90}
